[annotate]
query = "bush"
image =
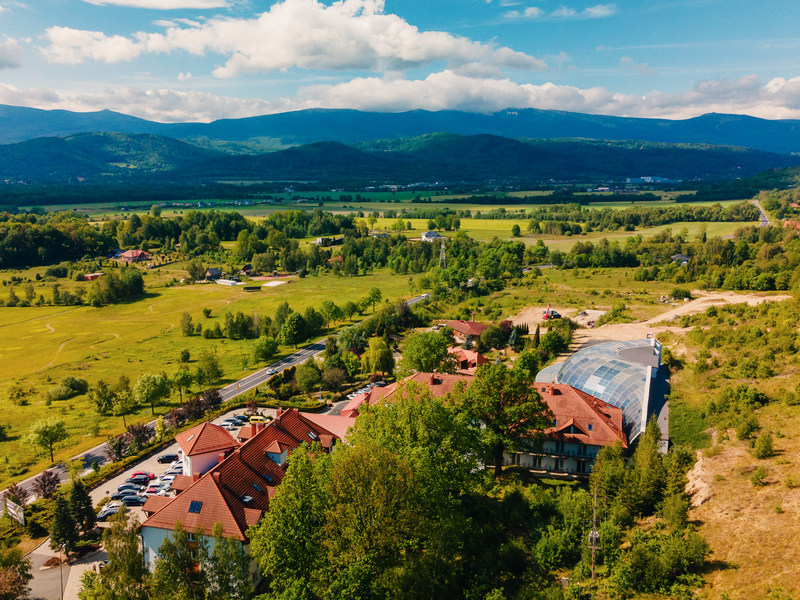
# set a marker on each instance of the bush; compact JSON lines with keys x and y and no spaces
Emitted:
{"x":185,"y":356}
{"x":681,"y":294}
{"x":758,"y":478}
{"x":763,"y":446}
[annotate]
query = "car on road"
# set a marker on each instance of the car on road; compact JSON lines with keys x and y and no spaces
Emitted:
{"x":134,"y":500}
{"x":270,"y":371}
{"x":167,"y":458}
{"x":145,"y":473}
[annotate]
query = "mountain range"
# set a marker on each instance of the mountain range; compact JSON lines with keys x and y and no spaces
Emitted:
{"x":18,"y":124}
{"x":102,"y":158}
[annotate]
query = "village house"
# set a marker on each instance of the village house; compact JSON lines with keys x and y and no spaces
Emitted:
{"x":234,"y":489}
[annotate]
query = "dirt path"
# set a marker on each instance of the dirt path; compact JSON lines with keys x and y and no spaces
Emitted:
{"x":666,"y":321}
{"x":60,"y":348}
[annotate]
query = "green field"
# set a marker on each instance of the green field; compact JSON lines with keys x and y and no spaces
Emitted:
{"x":43,"y":345}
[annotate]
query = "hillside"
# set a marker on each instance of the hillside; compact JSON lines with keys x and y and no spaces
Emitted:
{"x":96,"y":155}
{"x":19,"y":124}
{"x":478,"y":159}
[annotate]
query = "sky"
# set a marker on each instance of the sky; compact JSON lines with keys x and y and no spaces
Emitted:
{"x":200,"y":60}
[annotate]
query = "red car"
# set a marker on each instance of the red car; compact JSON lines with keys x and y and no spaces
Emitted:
{"x":145,"y":473}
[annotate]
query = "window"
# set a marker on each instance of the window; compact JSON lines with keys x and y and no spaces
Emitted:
{"x":255,"y":485}
{"x":590,"y":426}
{"x":312,"y":435}
{"x":195,"y":506}
{"x":246,"y":498}
{"x":267,"y":477}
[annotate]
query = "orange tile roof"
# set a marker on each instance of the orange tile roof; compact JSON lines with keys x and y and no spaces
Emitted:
{"x":205,"y":438}
{"x":575,"y":411}
{"x":472,"y":328}
{"x":236,"y":491}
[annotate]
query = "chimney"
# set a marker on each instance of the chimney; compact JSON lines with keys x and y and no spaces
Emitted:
{"x":279,"y":413}
{"x":473,"y":316}
{"x":253,"y":429}
{"x":217,"y":477}
{"x":195,"y":476}
{"x":220,"y":457}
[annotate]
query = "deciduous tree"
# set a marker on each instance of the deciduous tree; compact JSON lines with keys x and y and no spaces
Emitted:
{"x":46,"y":433}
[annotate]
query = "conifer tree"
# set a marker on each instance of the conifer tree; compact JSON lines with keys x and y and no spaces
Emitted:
{"x":80,"y":507}
{"x":63,"y":530}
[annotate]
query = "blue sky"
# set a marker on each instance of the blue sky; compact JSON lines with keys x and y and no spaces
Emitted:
{"x":176,"y":60}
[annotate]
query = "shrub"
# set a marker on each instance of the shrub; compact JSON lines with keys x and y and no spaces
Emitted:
{"x":185,"y":356}
{"x":791,"y":482}
{"x":763,"y":447}
{"x":758,"y":478}
{"x":681,"y":294}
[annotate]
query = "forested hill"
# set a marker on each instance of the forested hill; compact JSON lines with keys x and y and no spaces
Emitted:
{"x":106,"y":158}
{"x":350,"y":126}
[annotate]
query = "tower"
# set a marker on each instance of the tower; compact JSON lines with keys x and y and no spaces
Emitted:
{"x":442,"y":260}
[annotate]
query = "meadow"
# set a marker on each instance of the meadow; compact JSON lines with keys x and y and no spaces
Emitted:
{"x":44,"y":344}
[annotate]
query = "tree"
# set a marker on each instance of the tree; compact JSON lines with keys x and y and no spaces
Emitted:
{"x":195,"y":270}
{"x":187,"y":326}
{"x":16,"y":493}
{"x":103,"y":396}
{"x":228,"y":569}
{"x":515,"y":231}
{"x":378,"y":357}
{"x":536,"y":337}
{"x":15,"y":573}
{"x":179,"y":572}
{"x":149,"y":389}
{"x":528,"y":363}
{"x":208,"y":368}
{"x":293,"y":330}
{"x":124,"y":401}
{"x":46,"y":484}
{"x":508,"y":406}
{"x":264,"y":349}
{"x":46,"y":433}
{"x":331,"y":312}
{"x":63,"y":529}
{"x":183,"y":380}
{"x":333,"y":379}
{"x":350,"y":308}
{"x":80,"y":507}
{"x":308,"y":376}
{"x":493,"y":337}
{"x":124,"y":577}
{"x":289,"y":537}
{"x":374,"y":296}
{"x":424,"y":352}
{"x":763,"y":447}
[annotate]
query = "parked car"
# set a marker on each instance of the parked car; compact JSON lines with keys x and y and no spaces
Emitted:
{"x":242,"y":418}
{"x":108,"y":510}
{"x":174,"y":471}
{"x":130,"y":486}
{"x":145,"y":473}
{"x":134,"y":500}
{"x":123,"y":494}
{"x":257,"y":419}
{"x":138,"y":479}
{"x":167,"y":458}
{"x":166,"y":477}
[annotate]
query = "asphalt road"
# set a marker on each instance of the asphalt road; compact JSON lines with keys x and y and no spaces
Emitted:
{"x":229,"y":392}
{"x":763,"y":219}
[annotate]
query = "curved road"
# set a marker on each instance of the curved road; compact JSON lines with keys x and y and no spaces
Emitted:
{"x":228,"y":393}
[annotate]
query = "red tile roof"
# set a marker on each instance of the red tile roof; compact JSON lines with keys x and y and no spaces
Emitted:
{"x":134,"y":255}
{"x":181,"y":482}
{"x":155,"y":503}
{"x":236,"y":491}
{"x":205,"y":438}
{"x":468,"y":360}
{"x":575,"y":411}
{"x":472,"y":328}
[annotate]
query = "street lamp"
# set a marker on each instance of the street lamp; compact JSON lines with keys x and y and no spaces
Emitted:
{"x":61,"y":570}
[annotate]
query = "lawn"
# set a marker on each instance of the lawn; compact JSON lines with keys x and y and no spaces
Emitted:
{"x":43,"y":345}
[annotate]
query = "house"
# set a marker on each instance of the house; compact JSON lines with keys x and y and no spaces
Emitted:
{"x":213,"y":273}
{"x":132,"y":256}
{"x":246,"y":270}
{"x":467,"y":361}
{"x":236,"y":490}
{"x":462,"y":329}
{"x":680,"y":258}
{"x":582,"y":425}
{"x":336,"y":259}
{"x":431,"y":236}
{"x":202,"y":445}
{"x":92,"y":276}
{"x":439,"y":384}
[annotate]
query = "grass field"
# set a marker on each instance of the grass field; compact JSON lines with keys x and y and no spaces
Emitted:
{"x":43,"y":345}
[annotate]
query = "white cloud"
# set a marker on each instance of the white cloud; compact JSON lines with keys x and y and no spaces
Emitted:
{"x":349,"y":34}
{"x":162,"y":4}
{"x":184,"y":76}
{"x":11,"y":56}
{"x":626,"y":62}
{"x":777,"y":99}
{"x":72,"y":46}
{"x":598,"y":11}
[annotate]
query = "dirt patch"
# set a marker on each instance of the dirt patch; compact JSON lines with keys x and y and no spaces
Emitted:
{"x":53,"y":561}
{"x":534,"y":315}
{"x":698,"y":487}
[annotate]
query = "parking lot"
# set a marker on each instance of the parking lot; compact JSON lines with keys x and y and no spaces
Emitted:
{"x":151,"y":465}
